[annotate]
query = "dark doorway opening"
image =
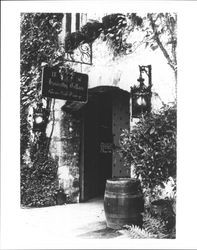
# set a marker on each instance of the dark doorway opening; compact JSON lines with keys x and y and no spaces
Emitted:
{"x":105,"y":114}
{"x":97,"y":134}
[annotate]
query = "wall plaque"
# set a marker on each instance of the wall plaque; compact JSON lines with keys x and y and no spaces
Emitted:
{"x":106,"y":147}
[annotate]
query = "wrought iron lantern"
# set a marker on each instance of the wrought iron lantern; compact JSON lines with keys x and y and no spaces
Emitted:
{"x":141,"y":94}
{"x":40,"y":118}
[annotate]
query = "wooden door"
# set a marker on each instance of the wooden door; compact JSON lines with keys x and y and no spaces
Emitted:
{"x":105,"y":115}
{"x":120,"y":121}
{"x":90,"y":151}
{"x":97,"y":136}
{"x":105,"y":140}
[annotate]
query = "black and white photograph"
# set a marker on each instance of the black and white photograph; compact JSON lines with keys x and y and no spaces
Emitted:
{"x":95,"y":149}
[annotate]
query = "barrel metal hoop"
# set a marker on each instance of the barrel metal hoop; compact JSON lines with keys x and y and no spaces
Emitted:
{"x":122,"y":216}
{"x":123,"y":195}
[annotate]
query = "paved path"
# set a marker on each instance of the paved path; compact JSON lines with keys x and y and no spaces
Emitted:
{"x":59,"y":226}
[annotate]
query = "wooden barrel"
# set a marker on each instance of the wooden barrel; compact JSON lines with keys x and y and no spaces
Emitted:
{"x":123,"y":202}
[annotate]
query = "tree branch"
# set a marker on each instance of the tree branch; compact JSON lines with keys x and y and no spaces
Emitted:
{"x":161,"y":46}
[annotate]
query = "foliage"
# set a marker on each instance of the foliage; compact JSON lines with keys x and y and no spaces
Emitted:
{"x":39,"y":46}
{"x":151,"y":147}
{"x":153,"y":228}
{"x":39,"y":39}
{"x":126,"y":33}
{"x":161,"y":33}
{"x":114,"y":25}
{"x":163,"y":208}
{"x":91,"y":31}
{"x":73,"y":40}
{"x":158,"y":30}
{"x":135,"y":232}
{"x":39,"y":182}
{"x":116,"y":31}
{"x":166,"y":190}
{"x":112,"y":28}
{"x":88,"y":33}
{"x":25,"y":131}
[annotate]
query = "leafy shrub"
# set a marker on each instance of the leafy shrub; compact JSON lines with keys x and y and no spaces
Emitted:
{"x":73,"y":40}
{"x":113,"y":21}
{"x":89,"y":32}
{"x":135,"y":232}
{"x":39,"y":183}
{"x":151,"y":147}
{"x":153,"y":228}
{"x":92,"y":30}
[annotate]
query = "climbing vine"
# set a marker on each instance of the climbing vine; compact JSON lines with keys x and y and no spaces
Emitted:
{"x":39,"y":46}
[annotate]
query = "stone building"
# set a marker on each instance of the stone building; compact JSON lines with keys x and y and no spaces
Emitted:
{"x":86,"y":140}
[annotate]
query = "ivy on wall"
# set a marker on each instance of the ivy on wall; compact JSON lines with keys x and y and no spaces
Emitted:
{"x":113,"y":29}
{"x":39,"y":45}
{"x":39,"y":184}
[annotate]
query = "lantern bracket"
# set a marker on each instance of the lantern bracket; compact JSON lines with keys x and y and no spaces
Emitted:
{"x":148,"y":70}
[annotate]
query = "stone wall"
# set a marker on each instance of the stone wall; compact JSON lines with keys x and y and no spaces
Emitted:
{"x":65,"y":146}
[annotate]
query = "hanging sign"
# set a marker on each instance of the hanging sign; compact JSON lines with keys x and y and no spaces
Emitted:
{"x":72,"y":86}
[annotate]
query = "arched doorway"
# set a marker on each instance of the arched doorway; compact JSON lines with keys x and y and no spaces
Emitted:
{"x":104,"y":117}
